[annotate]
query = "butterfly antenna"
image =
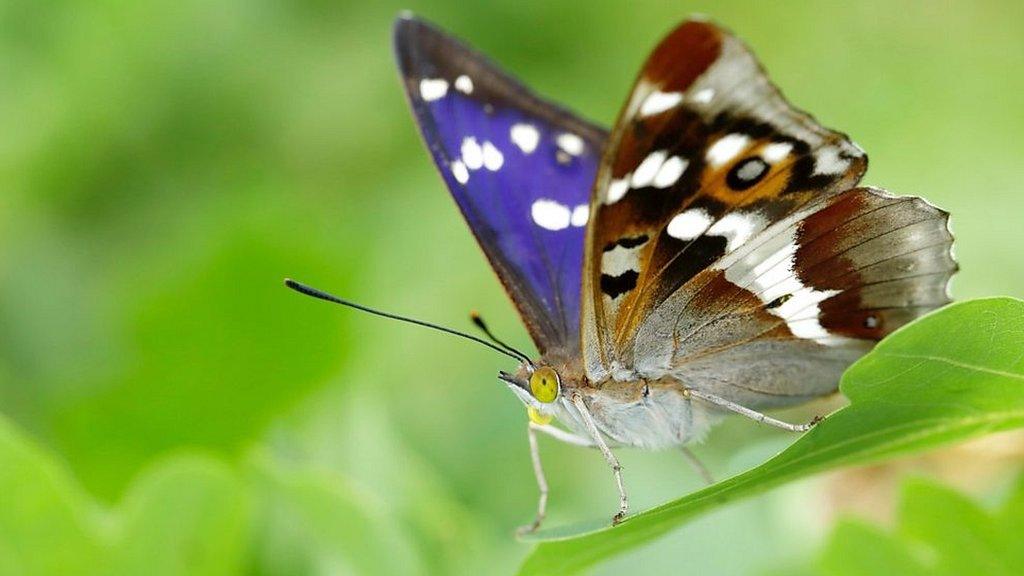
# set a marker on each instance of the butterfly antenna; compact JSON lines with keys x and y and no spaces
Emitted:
{"x":479,"y":322}
{"x":320,"y":294}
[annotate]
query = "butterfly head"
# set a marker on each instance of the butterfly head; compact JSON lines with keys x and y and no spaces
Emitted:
{"x":539,"y":387}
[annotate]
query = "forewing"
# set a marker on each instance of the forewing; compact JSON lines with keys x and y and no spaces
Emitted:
{"x":705,"y":155}
{"x":520,"y":169}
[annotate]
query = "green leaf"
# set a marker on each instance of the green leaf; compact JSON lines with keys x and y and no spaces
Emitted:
{"x":963,"y":538}
{"x":188,"y":516}
{"x":350,"y":527}
{"x":1010,"y":520}
{"x":858,"y":548}
{"x":941,"y":532}
{"x":42,"y":510}
{"x":953,"y":374}
{"x":185,"y":515}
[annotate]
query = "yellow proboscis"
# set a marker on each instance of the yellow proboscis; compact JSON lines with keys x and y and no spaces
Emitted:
{"x":536,"y":417}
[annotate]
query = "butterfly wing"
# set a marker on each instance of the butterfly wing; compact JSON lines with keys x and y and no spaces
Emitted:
{"x":520,"y":169}
{"x":778,"y":320}
{"x":700,"y":259}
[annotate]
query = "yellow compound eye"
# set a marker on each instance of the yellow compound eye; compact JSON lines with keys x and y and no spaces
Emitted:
{"x":544,"y":384}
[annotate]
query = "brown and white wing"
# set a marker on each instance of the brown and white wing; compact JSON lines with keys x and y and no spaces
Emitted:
{"x":778,"y":320}
{"x":707,"y":163}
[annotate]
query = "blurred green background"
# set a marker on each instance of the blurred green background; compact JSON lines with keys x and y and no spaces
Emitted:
{"x":164,"y":164}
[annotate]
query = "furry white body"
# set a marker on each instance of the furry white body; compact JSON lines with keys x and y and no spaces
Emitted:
{"x":664,"y":418}
{"x":651,"y":417}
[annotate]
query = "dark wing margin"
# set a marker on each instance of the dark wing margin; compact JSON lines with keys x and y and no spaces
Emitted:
{"x":519,"y":167}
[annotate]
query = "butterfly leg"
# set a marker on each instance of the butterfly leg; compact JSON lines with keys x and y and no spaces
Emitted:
{"x":752,"y":414}
{"x":542,"y":483}
{"x":577,"y":401}
{"x":699,"y":466}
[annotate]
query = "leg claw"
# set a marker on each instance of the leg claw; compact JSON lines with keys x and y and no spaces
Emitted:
{"x":618,"y":518}
{"x":529,"y":528}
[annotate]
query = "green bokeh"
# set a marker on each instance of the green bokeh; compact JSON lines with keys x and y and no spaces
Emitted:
{"x":164,"y":164}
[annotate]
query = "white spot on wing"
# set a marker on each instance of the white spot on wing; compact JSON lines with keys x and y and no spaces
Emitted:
{"x":689,"y":225}
{"x":580,"y":215}
{"x":801,"y":312}
{"x":775,"y":152}
{"x":670,"y":172}
{"x":704,"y":96}
{"x":525,"y":136}
{"x":659,"y":101}
{"x":571,"y":143}
{"x":737,"y":228}
{"x":769,"y":272}
{"x":493,"y":159}
{"x":648,"y":169}
{"x":550,"y":215}
{"x":619,"y":260}
{"x":472,"y":153}
{"x":828,"y":161}
{"x":464,"y":84}
{"x":726,"y":148}
{"x":617,"y":189}
{"x":775,"y":268}
{"x":460,"y":172}
{"x":433,"y":88}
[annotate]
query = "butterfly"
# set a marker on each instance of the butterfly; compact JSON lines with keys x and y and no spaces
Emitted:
{"x":711,"y":254}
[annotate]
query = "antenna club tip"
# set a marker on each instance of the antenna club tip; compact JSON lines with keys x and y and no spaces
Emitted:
{"x":477,"y":319}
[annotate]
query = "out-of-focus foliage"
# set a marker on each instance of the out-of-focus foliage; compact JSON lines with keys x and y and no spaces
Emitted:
{"x":165,"y":163}
{"x":939,"y":531}
{"x":186,"y":515}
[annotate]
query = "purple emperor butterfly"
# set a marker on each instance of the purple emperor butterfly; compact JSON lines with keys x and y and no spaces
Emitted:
{"x":712,"y":254}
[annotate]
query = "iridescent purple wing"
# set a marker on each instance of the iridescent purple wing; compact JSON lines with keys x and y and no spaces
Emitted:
{"x":520,"y":169}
